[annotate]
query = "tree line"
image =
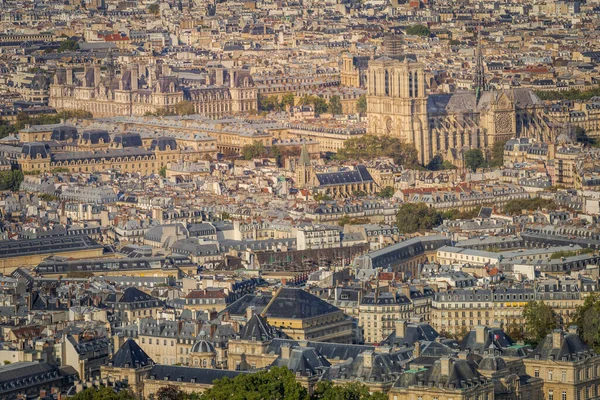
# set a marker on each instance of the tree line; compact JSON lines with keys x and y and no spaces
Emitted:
{"x":278,"y":383}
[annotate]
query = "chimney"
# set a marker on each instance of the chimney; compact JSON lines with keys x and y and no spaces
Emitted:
{"x":445,"y":363}
{"x":286,"y":351}
{"x":134,"y":78}
{"x":557,"y":338}
{"x":417,"y":350}
{"x":480,"y":334}
{"x":400,"y":328}
{"x":337,"y":291}
{"x":69,"y":76}
{"x":96,"y":75}
{"x":368,"y":357}
{"x":249,"y":313}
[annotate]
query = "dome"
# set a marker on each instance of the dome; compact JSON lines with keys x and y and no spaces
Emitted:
{"x":492,"y":363}
{"x":202,"y":346}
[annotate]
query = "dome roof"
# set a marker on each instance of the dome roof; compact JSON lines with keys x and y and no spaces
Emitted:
{"x":202,"y":346}
{"x":492,"y":363}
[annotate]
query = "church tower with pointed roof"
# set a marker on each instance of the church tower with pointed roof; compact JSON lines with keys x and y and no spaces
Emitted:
{"x":304,"y":169}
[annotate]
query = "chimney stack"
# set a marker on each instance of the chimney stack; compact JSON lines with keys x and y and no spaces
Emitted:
{"x":400,"y":328}
{"x":445,"y":363}
{"x":249,"y":313}
{"x":480,"y":334}
{"x":417,"y":350}
{"x":557,"y":338}
{"x":368,"y":357}
{"x":286,"y":351}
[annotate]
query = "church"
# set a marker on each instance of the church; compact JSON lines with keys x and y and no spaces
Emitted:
{"x":398,"y":104}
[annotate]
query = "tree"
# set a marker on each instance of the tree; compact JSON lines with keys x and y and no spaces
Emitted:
{"x":154,"y":8}
{"x":515,"y":331}
{"x":386,"y":192}
{"x":255,"y":150}
{"x":185,"y":108}
{"x":497,"y":156}
{"x":11,"y":180}
{"x":474,"y":159}
{"x":319,"y":104}
{"x":415,"y":217}
{"x":335,"y":105}
{"x":367,"y":147}
{"x":68,"y":45}
{"x":278,"y":383}
{"x":169,"y":393}
{"x":163,"y":171}
{"x":516,"y":206}
{"x":418,"y":30}
{"x":268,"y":103}
{"x":540,"y":320}
{"x":288,"y":100}
{"x":361,"y":104}
{"x":326,"y":390}
{"x":103,"y":393}
{"x":587,"y":319}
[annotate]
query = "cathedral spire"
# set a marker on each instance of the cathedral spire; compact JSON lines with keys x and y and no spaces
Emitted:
{"x":479,"y":83}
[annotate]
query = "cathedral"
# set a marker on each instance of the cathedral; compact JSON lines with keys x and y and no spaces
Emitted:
{"x":139,"y":89}
{"x":398,"y":104}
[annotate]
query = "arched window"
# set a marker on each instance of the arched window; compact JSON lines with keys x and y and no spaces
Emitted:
{"x":416,"y":84}
{"x":387,"y":83}
{"x":375,"y":83}
{"x":410,"y":84}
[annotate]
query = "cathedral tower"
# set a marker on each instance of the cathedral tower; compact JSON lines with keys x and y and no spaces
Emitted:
{"x":397,"y":103}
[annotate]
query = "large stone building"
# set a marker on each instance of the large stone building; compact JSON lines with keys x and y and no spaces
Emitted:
{"x":398,"y":104}
{"x":141,"y":89}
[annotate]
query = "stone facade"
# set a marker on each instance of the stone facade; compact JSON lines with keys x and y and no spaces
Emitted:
{"x":141,"y":89}
{"x":398,"y":104}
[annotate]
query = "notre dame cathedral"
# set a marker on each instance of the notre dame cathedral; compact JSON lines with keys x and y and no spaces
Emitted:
{"x":398,"y":104}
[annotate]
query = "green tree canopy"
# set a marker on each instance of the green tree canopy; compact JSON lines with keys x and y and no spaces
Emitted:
{"x":288,"y":100}
{"x":540,"y":320}
{"x":318,"y":103}
{"x":497,"y":154}
{"x":516,"y":206}
{"x":274,"y":384}
{"x":11,"y":180}
{"x":386,"y":192}
{"x":587,"y":319}
{"x":103,"y":393}
{"x":474,"y":159}
{"x":154,"y":8}
{"x":572,"y":94}
{"x":368,"y":147}
{"x":416,"y":217}
{"x":361,"y":104}
{"x":185,"y":108}
{"x":255,"y":150}
{"x":163,"y":171}
{"x":68,"y":45}
{"x":326,"y":390}
{"x":335,"y":105}
{"x":418,"y":30}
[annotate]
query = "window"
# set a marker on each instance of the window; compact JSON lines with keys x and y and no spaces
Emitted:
{"x":550,"y":375}
{"x":536,"y":373}
{"x":563,"y":396}
{"x":563,"y":376}
{"x":550,"y":395}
